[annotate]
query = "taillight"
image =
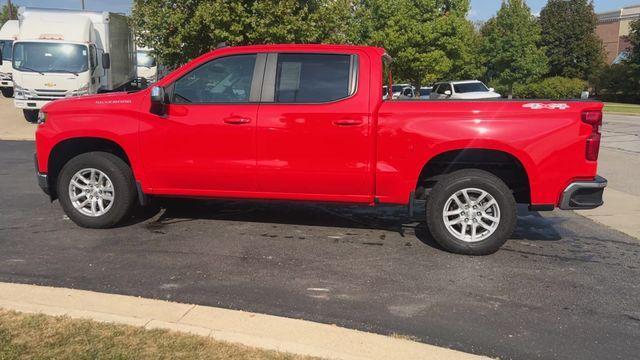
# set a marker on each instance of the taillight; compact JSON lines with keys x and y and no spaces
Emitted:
{"x":593,"y":118}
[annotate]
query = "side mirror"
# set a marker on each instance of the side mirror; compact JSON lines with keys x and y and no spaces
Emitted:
{"x":447,"y":92}
{"x":106,"y":61}
{"x":158,"y":100}
{"x":157,"y":95}
{"x":492,"y":89}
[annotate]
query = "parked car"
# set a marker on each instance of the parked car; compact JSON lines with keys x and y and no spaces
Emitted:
{"x":397,"y":89}
{"x":65,"y":53}
{"x":307,"y":122}
{"x":8,"y":34}
{"x":464,"y":90}
{"x":408,"y":92}
{"x":425,"y":92}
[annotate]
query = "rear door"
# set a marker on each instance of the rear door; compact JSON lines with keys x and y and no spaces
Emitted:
{"x":314,"y":138}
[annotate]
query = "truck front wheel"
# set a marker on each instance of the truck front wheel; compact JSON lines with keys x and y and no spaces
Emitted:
{"x":471,"y":212}
{"x":96,"y":190}
{"x":31,"y":115}
{"x":7,"y":92}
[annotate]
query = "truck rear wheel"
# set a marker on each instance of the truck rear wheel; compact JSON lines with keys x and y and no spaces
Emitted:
{"x":31,"y":115}
{"x":96,"y":190}
{"x":471,"y":212}
{"x":7,"y":92}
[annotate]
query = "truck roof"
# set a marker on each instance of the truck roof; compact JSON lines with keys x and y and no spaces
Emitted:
{"x":306,"y":47}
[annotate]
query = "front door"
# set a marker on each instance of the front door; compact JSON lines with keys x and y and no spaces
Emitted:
{"x":205,"y":144}
{"x":314,"y":140}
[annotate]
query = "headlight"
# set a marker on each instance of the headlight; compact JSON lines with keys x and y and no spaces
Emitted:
{"x":19,"y":92}
{"x":42,"y":117}
{"x":83,"y":90}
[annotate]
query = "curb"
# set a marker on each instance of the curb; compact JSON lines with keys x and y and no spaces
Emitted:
{"x":250,"y":329}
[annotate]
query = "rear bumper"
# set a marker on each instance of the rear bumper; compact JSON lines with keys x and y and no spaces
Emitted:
{"x":583,"y":195}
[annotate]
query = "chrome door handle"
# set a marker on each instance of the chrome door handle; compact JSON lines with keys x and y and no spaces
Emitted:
{"x":347,"y":122}
{"x":237,"y":120}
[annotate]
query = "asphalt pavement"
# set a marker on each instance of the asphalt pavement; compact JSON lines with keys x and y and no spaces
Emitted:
{"x":563,"y":288}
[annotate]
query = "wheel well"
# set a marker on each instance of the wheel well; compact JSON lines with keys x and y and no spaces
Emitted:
{"x":68,"y":149}
{"x":499,"y":163}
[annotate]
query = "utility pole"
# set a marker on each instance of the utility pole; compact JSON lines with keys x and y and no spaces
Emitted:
{"x":10,"y":10}
{"x":82,"y":4}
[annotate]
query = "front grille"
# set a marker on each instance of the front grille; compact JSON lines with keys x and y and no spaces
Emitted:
{"x":51,"y":91}
{"x":5,"y":76}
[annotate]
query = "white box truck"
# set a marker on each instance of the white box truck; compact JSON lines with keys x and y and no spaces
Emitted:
{"x":147,"y":65}
{"x":8,"y":34}
{"x":64,"y":53}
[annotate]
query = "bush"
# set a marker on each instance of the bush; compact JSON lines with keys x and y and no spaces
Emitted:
{"x":618,"y":83}
{"x":554,"y":88}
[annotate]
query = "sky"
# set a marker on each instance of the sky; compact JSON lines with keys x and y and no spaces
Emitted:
{"x":480,"y":9}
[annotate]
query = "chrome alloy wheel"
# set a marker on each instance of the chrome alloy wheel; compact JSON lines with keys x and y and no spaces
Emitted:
{"x":471,"y":215}
{"x":91,"y":192}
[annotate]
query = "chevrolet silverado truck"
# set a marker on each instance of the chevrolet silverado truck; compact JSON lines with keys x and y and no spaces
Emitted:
{"x":310,"y":123}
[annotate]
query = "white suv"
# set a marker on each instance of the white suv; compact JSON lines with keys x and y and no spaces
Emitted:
{"x":464,"y":90}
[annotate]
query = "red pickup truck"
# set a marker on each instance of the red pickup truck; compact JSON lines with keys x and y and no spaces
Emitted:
{"x":310,"y":122}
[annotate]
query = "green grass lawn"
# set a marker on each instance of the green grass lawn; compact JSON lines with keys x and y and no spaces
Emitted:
{"x":25,"y":336}
{"x":616,"y":108}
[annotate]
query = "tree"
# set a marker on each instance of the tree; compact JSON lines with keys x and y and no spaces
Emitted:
{"x":511,"y":46}
{"x":180,"y":30}
{"x":569,"y":36}
{"x":4,"y":14}
{"x":429,"y":40}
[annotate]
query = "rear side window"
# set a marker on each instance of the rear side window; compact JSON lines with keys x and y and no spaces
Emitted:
{"x":314,"y":78}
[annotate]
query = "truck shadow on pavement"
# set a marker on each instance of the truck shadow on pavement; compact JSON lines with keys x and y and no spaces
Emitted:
{"x":531,"y":226}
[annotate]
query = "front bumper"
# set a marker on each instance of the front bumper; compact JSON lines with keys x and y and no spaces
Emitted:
{"x":43,"y":180}
{"x":30,"y":104}
{"x":583,"y":195}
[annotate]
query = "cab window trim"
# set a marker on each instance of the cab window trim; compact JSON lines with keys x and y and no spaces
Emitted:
{"x":271,"y":69}
{"x":255,"y":88}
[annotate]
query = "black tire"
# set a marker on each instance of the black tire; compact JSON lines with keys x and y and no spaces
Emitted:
{"x":121,"y":176}
{"x":31,"y":115}
{"x":7,"y":92}
{"x":478,"y":179}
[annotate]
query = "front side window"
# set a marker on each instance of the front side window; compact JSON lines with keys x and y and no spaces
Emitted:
{"x":7,"y":49}
{"x":313,"y":78}
{"x":50,"y":57}
{"x":470,"y":87}
{"x":222,"y":80}
{"x":442,"y":89}
{"x":93,"y":56}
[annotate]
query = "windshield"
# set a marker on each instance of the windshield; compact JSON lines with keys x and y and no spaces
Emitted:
{"x":50,"y":57}
{"x":145,"y":59}
{"x":397,"y":88}
{"x":470,"y":87}
{"x":6,"y":47}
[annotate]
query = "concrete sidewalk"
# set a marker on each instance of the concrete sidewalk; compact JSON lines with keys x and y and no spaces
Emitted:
{"x":251,"y":329}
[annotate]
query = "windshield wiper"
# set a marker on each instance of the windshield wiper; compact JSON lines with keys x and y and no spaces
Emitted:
{"x":64,"y":71}
{"x":30,"y":69}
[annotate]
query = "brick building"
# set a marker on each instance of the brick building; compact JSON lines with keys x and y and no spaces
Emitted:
{"x":613,"y":27}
